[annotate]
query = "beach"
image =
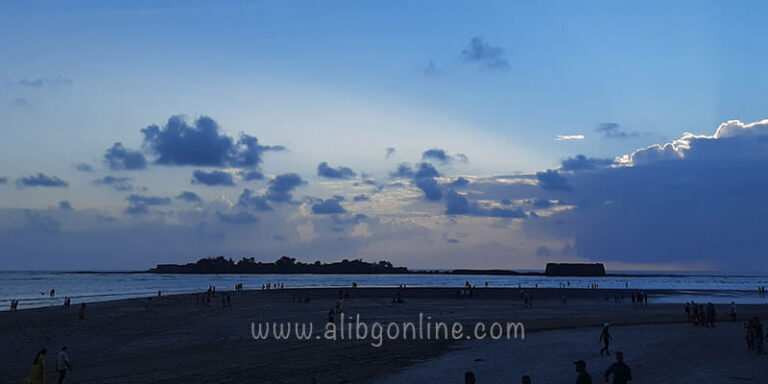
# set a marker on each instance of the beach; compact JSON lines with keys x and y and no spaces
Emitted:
{"x":173,"y":339}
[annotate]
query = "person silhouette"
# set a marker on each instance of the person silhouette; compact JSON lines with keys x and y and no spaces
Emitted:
{"x":581,"y":368}
{"x":620,"y":370}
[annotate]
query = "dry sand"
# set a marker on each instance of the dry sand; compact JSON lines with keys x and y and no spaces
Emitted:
{"x":170,"y":339}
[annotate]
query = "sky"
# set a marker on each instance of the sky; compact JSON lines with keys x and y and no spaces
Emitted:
{"x":443,"y":134}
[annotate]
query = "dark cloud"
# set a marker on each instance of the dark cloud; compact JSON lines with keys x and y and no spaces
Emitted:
{"x":65,"y":205}
{"x":390,"y":151}
{"x":551,"y":180}
{"x":430,"y":188}
{"x":441,"y":156}
{"x":425,"y":170}
{"x":251,"y":175}
{"x":482,"y":53}
{"x":41,"y":180}
{"x":119,"y":158}
{"x":83,"y":167}
{"x":3,"y":180}
{"x":46,"y":82}
{"x":249,"y":200}
{"x":20,"y":102}
{"x":212,"y":178}
{"x":118,"y":183}
{"x":328,"y":207}
{"x":459,"y":183}
{"x":281,"y":187}
{"x":404,"y":170}
{"x":614,"y":131}
{"x":323,"y":170}
{"x":238,"y":218}
{"x":436,"y":154}
{"x":583,"y":163}
{"x":423,"y":177}
{"x":138,"y":204}
{"x":202,"y":144}
{"x":699,"y":199}
{"x":458,"y":204}
{"x":361,"y":198}
{"x":189,"y":197}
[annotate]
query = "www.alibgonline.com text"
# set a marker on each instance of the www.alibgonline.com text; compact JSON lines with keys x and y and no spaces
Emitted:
{"x":352,"y":328}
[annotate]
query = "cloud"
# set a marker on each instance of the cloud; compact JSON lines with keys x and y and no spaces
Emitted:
{"x":46,"y":82}
{"x":459,"y":183}
{"x":323,"y":170}
{"x":552,"y":180}
{"x":457,"y":204}
{"x":238,"y":218}
{"x":732,"y":140}
{"x":403,"y":171}
{"x":249,"y":200}
{"x":442,"y":156}
{"x":189,"y":197}
{"x":251,"y":175}
{"x":484,"y":54}
{"x":281,"y":187}
{"x":121,"y":158}
{"x":202,"y":144}
{"x":423,"y":177}
{"x":3,"y":180}
{"x":583,"y":163}
{"x":614,"y":131}
{"x":698,"y":199}
{"x":65,"y":205}
{"x":83,"y":167}
{"x":117,"y":183}
{"x":328,"y":207}
{"x":20,"y":102}
{"x":41,"y":180}
{"x":390,"y":151}
{"x":213,"y":178}
{"x":569,"y":137}
{"x":139,"y":204}
{"x":361,"y":198}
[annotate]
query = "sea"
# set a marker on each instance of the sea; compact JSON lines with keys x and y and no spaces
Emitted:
{"x":32,"y":289}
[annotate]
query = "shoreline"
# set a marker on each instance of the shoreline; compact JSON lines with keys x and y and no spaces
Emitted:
{"x":495,"y":293}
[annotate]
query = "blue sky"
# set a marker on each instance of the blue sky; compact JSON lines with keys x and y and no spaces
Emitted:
{"x":339,"y":82}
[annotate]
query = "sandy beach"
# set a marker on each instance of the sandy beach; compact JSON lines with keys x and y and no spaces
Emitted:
{"x":172,"y":339}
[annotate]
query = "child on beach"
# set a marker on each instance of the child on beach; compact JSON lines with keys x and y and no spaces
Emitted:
{"x":605,"y":337}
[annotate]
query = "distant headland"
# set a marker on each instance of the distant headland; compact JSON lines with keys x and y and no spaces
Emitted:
{"x":289,"y":265}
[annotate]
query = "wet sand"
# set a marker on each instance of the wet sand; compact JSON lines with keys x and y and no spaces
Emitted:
{"x":171,"y":339}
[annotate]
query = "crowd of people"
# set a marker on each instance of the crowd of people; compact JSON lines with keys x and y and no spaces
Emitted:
{"x":703,"y":316}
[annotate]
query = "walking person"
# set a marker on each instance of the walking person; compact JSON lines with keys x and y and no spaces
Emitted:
{"x":62,"y":364}
{"x":605,"y":337}
{"x":619,"y":370}
{"x":37,"y":375}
